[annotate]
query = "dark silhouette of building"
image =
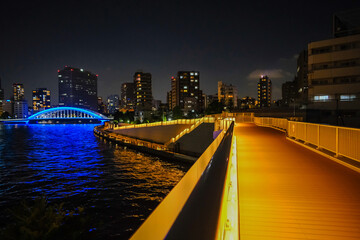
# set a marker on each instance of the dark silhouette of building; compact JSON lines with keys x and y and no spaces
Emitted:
{"x":301,"y":79}
{"x":346,"y":23}
{"x":101,"y":106}
{"x":41,"y":99}
{"x":143,"y":91}
{"x":1,"y":99}
{"x":77,"y":88}
{"x":128,"y":95}
{"x":288,"y":93}
{"x":264,"y":91}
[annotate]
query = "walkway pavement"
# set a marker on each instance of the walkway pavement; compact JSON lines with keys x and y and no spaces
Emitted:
{"x":289,"y":192}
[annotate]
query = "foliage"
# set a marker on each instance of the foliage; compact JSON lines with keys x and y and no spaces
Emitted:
{"x":40,"y":220}
{"x":126,"y":117}
{"x":5,"y":115}
{"x":177,"y":113}
{"x":214,"y":108}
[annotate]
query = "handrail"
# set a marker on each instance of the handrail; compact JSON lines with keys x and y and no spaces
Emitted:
{"x":192,"y":208}
{"x":202,"y":209}
{"x":173,"y":122}
{"x":342,"y":141}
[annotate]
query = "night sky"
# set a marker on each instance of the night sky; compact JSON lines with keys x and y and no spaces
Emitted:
{"x":229,"y":41}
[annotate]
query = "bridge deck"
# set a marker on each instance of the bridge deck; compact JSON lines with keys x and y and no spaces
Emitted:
{"x":289,"y":192}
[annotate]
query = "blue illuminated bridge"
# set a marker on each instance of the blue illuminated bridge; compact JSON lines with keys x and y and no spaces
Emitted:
{"x":63,"y":115}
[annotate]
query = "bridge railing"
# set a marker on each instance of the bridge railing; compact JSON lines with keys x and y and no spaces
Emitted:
{"x":342,"y":141}
{"x":173,"y":122}
{"x":339,"y":140}
{"x":203,"y":205}
{"x":281,"y":123}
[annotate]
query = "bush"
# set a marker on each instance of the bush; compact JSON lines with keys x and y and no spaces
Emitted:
{"x":40,"y":220}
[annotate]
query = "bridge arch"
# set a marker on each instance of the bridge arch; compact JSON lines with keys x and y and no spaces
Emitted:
{"x":67,"y":113}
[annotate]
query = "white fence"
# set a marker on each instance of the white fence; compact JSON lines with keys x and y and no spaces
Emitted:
{"x":339,"y":140}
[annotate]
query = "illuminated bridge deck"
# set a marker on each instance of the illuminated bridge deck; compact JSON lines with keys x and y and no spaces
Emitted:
{"x":289,"y":192}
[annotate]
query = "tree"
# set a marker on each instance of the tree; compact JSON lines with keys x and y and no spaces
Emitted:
{"x":177,"y":113}
{"x":214,"y":108}
{"x":5,"y":115}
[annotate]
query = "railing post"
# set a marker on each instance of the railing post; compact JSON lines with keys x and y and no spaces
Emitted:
{"x":318,"y":136}
{"x":337,"y":142}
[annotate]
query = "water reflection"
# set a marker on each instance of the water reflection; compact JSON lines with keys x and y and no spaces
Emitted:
{"x":67,"y":163}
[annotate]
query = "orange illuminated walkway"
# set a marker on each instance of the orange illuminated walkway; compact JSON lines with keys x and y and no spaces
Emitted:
{"x":289,"y":192}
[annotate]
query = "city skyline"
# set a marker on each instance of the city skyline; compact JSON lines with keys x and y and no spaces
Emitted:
{"x":233,"y":42}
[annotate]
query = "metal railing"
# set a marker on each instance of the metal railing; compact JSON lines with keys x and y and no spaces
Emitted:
{"x":281,"y":123}
{"x":173,"y":122}
{"x":195,"y":208}
{"x":339,"y":140}
{"x":342,"y":141}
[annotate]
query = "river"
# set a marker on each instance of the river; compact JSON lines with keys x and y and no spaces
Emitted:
{"x":118,"y":187}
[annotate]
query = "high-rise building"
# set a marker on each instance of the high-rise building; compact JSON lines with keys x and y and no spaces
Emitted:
{"x":227,"y":94}
{"x":185,"y":91}
{"x":289,"y":93}
{"x":18,"y":92}
{"x":143,"y":91}
{"x":20,"y":109}
{"x":264,"y":91}
{"x":77,"y":88}
{"x":113,"y":103}
{"x":102,"y":106}
{"x":334,"y":74}
{"x":1,"y":99}
{"x":8,"y":106}
{"x":41,"y":99}
{"x":128,"y":95}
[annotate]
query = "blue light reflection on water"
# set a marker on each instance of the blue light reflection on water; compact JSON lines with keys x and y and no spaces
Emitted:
{"x":67,"y":163}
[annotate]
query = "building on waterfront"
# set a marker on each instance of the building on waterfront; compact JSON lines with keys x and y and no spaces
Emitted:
{"x":128,"y":95}
{"x":185,"y":92}
{"x":264,"y":91}
{"x":8,"y":106}
{"x":288,"y":93}
{"x":227,"y":94}
{"x":1,"y":99}
{"x":77,"y":88}
{"x":113,"y":103}
{"x":143,"y":91}
{"x":41,"y":99}
{"x":101,"y":106}
{"x":18,"y":92}
{"x":301,"y":79}
{"x":334,"y":72}
{"x":20,"y":109}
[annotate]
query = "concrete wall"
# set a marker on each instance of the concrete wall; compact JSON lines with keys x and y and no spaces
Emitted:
{"x":195,"y":142}
{"x":157,"y":134}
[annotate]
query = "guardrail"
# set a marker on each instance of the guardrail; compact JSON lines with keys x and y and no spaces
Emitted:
{"x":339,"y":140}
{"x":281,"y":123}
{"x":342,"y":141}
{"x":173,"y":122}
{"x":196,"y":208}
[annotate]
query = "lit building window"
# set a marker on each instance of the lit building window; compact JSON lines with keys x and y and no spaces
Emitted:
{"x":321,"y":98}
{"x":347,"y":97}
